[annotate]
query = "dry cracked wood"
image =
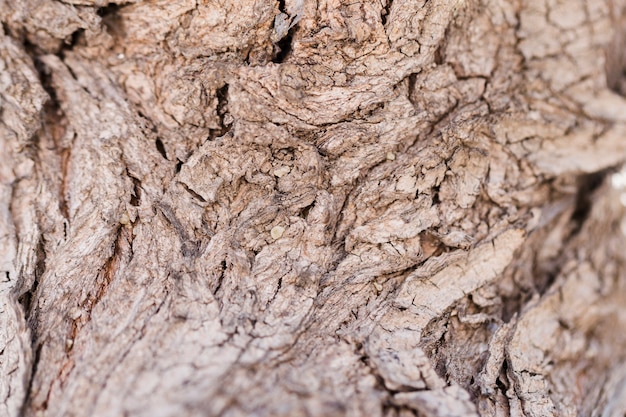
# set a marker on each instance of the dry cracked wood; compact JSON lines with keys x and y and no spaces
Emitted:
{"x":312,"y":207}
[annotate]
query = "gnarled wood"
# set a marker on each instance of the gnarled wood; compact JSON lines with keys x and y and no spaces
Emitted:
{"x":312,"y":207}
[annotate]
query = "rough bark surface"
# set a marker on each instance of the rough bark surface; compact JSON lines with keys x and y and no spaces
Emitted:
{"x":312,"y":207}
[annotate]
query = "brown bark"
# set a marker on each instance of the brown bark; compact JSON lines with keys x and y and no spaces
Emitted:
{"x":312,"y":207}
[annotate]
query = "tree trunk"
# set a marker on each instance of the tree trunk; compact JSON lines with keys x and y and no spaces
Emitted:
{"x":312,"y":208}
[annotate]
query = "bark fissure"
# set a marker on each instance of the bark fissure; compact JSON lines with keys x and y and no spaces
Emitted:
{"x":31,"y":376}
{"x":28,"y":294}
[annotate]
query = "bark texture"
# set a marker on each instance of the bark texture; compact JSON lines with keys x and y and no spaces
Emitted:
{"x":312,"y":207}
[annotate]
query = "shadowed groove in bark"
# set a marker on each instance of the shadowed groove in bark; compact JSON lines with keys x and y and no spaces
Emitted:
{"x":32,"y":372}
{"x":615,"y":64}
{"x":386,"y":10}
{"x":75,"y":39}
{"x":282,"y":48}
{"x":110,"y":18}
{"x":547,"y":270}
{"x":110,"y":10}
{"x":194,"y":194}
{"x":160,"y":147}
{"x":222,"y":110}
{"x":587,"y":185}
{"x":26,"y":298}
{"x":135,"y":197}
{"x":109,"y":270}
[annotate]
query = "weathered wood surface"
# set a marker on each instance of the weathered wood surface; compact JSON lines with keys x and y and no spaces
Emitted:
{"x":312,"y":208}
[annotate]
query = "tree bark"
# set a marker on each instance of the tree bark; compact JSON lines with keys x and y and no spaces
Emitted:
{"x":312,"y":207}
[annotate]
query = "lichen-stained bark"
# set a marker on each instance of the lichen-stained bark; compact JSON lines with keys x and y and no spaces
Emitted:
{"x":312,"y":207}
